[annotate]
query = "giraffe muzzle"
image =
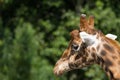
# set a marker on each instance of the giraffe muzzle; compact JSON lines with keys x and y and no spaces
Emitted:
{"x":61,"y":67}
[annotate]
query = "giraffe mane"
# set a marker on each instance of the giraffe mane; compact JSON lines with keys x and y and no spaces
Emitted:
{"x":115,"y":43}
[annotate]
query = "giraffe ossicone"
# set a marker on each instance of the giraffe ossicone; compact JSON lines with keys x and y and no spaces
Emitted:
{"x":89,"y":46}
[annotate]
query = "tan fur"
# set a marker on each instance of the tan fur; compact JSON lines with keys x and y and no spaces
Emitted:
{"x":106,"y":53}
{"x":114,"y":43}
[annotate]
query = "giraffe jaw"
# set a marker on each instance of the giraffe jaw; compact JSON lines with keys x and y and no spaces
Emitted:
{"x":63,"y":66}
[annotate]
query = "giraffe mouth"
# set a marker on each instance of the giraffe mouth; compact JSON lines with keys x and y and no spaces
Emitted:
{"x":61,"y":67}
{"x":65,"y":66}
{"x":58,"y":73}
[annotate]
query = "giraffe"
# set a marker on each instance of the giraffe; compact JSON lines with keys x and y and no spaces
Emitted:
{"x":90,"y":46}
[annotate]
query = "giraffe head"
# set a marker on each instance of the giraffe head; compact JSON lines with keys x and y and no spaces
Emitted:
{"x":77,"y":55}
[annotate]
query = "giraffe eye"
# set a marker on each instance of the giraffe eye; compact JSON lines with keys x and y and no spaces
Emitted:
{"x":75,"y":47}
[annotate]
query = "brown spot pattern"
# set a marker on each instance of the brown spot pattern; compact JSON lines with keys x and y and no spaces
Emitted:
{"x":111,"y":74}
{"x":93,"y":54}
{"x":93,"y":49}
{"x":114,"y":57}
{"x":119,"y":62}
{"x":103,"y":52}
{"x":77,"y":57}
{"x":106,"y":69}
{"x":109,"y":48}
{"x":108,"y":62}
{"x":98,"y":47}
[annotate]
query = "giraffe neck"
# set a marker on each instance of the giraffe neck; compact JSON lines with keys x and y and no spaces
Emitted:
{"x":104,"y":52}
{"x":108,"y":59}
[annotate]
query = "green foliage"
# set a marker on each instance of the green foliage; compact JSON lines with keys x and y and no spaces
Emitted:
{"x":34,"y":33}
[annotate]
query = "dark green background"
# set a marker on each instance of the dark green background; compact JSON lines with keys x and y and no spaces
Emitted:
{"x":34,"y":33}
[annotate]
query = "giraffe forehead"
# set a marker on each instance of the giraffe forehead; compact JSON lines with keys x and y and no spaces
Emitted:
{"x":75,"y":36}
{"x":77,"y":40}
{"x":74,"y":33}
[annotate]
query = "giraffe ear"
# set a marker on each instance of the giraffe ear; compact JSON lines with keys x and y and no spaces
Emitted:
{"x":83,"y":22}
{"x":88,"y":38}
{"x":91,"y":22}
{"x":111,"y":36}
